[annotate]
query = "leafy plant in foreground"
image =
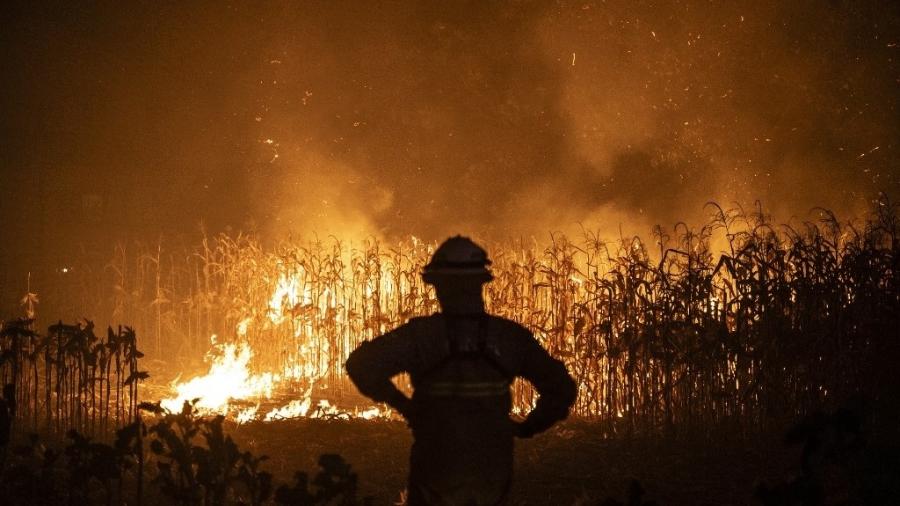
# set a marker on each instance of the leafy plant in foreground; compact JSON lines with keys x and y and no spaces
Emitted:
{"x":837,"y":465}
{"x":634,"y":497}
{"x":335,"y":484}
{"x":210,"y":474}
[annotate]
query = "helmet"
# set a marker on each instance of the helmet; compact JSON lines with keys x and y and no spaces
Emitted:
{"x":457,"y":256}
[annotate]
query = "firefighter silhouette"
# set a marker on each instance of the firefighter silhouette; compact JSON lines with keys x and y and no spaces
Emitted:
{"x":462,"y":362}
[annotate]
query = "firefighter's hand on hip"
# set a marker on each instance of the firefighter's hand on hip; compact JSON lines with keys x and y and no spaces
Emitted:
{"x":521,"y":429}
{"x":406,"y":408}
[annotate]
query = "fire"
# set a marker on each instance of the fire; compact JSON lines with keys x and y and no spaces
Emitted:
{"x":294,"y":409}
{"x":287,"y":293}
{"x":229,"y":384}
{"x":228,"y":379}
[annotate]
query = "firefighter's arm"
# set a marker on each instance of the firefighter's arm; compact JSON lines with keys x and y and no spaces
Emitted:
{"x":556,"y":388}
{"x":372,"y":365}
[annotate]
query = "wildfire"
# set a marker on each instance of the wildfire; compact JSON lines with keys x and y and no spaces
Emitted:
{"x":228,"y":379}
{"x":229,"y":384}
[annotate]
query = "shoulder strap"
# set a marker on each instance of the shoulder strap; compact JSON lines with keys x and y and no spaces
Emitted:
{"x":481,"y":350}
{"x":487,"y":354}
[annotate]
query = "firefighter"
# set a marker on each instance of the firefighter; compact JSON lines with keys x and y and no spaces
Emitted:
{"x":461,"y":363}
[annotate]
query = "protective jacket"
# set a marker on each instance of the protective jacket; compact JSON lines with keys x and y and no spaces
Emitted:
{"x":461,"y":368}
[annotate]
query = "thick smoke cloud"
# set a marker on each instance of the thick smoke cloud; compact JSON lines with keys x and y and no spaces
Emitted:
{"x":430,"y":118}
{"x":518,"y":118}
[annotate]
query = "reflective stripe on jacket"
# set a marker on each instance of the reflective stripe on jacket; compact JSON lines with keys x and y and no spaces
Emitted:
{"x":461,"y":368}
{"x":419,"y":345}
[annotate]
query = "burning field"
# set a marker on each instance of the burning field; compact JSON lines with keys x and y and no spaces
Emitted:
{"x":206,"y":208}
{"x":663,"y":337}
{"x":658,"y":334}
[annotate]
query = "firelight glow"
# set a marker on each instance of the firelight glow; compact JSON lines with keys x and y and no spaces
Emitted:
{"x":230,"y":384}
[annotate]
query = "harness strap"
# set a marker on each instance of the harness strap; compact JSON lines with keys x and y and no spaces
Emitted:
{"x":466,"y":388}
{"x":487,"y":354}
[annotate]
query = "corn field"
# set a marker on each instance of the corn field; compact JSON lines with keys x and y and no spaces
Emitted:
{"x":69,"y":378}
{"x":739,"y":322}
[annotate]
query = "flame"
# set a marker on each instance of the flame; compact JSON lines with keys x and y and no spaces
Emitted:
{"x":294,"y":409}
{"x":247,"y":415}
{"x":287,"y":292}
{"x":229,"y":384}
{"x":228,"y":378}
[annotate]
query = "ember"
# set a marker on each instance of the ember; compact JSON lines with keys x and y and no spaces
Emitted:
{"x":631,"y":326}
{"x":208,"y":206}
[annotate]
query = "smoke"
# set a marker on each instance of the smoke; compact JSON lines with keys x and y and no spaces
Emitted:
{"x":511,"y":118}
{"x":675,"y":105}
{"x":432,"y":118}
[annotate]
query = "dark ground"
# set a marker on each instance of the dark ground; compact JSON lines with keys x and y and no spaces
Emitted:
{"x":571,"y":464}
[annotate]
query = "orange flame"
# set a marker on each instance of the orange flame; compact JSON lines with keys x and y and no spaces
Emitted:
{"x":229,"y":383}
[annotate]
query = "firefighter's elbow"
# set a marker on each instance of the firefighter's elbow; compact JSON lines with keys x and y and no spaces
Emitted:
{"x":567,"y":386}
{"x":569,"y":391}
{"x":353,"y":366}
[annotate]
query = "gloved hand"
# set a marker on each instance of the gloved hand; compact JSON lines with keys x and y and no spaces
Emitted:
{"x":404,"y":406}
{"x":522,"y":429}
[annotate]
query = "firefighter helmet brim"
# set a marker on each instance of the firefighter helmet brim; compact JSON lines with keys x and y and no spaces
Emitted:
{"x":458,"y":257}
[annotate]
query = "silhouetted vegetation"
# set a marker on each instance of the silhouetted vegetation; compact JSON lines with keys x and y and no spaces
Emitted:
{"x":838,"y":465}
{"x":84,"y":472}
{"x":335,"y":483}
{"x":189,"y":460}
{"x":69,"y":378}
{"x":181,"y":458}
{"x":215,"y":472}
{"x":659,"y":334}
{"x":634,"y":497}
{"x":787,"y":322}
